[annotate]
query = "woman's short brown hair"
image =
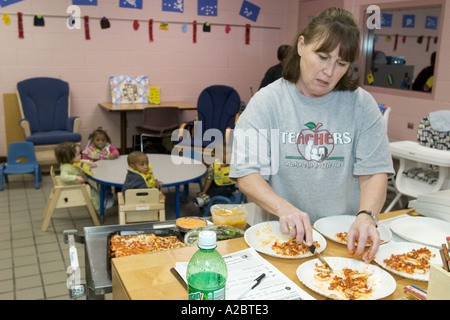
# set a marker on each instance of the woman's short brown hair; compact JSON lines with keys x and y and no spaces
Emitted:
{"x":334,"y":27}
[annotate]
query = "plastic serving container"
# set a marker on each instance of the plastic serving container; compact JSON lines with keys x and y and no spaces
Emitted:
{"x":189,"y":223}
{"x":233,"y":215}
{"x":222,"y":232}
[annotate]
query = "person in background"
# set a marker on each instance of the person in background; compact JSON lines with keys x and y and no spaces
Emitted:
{"x":99,"y":147}
{"x":217,"y":183}
{"x":140,"y":173}
{"x":274,"y":72}
{"x":321,"y":145}
{"x":423,"y":82}
{"x":73,"y":169}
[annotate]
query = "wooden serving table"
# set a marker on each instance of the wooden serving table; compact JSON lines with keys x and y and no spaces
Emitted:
{"x":148,"y":276}
{"x":123,"y":108}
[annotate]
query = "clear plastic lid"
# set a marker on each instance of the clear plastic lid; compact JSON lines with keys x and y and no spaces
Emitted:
{"x":207,"y":239}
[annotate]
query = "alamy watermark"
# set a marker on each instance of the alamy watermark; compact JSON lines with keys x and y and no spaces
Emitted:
{"x":74,"y":21}
{"x":374,"y":20}
{"x":257,"y":147}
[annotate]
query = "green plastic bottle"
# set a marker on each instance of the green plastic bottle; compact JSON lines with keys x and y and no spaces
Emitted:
{"x":206,"y":272}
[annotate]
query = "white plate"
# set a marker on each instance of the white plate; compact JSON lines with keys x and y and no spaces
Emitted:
{"x":386,"y":250}
{"x":329,"y":226}
{"x":262,"y":236}
{"x":383,"y":283}
{"x":428,"y":231}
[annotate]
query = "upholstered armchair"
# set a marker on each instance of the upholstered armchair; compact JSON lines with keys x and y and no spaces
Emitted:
{"x":45,"y":106}
{"x":45,"y":109}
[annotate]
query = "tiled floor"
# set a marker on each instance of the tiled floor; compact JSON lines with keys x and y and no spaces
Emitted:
{"x":33,"y":264}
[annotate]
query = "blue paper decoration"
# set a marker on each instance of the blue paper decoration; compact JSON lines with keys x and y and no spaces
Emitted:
{"x":431,"y":22}
{"x":4,"y":3}
{"x":207,"y":8}
{"x":132,"y":4}
{"x":408,"y":21}
{"x":386,"y":20}
{"x":173,"y":5}
{"x":249,"y":10}
{"x":84,"y":2}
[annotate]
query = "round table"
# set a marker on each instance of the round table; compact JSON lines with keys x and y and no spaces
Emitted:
{"x":171,"y":170}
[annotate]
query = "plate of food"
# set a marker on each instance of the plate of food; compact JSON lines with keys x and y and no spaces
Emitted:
{"x":409,"y":260}
{"x":266,"y":237}
{"x":335,"y":228}
{"x":350,"y":279}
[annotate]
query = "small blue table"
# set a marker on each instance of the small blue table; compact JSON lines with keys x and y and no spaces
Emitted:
{"x":171,"y":170}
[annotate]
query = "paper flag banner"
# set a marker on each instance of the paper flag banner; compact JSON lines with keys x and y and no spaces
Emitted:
{"x":87,"y":33}
{"x":84,"y":2}
{"x":249,"y":10}
{"x":150,"y":29}
{"x":194,"y":31}
{"x":386,"y":20}
{"x":184,"y":27}
{"x":173,"y":5}
{"x":132,"y":4}
{"x":163,"y":25}
{"x":20,"y":24}
{"x":4,"y":3}
{"x":207,"y":8}
{"x":6,"y":19}
{"x":431,"y":22}
{"x":408,"y":21}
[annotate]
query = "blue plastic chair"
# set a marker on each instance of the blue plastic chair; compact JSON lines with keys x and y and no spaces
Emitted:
{"x":21,"y":160}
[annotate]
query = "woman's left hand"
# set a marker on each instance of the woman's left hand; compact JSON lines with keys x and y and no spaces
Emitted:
{"x":362,"y":230}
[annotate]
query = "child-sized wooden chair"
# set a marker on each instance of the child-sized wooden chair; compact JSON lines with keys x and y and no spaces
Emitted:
{"x":65,"y":196}
{"x":141,"y":205}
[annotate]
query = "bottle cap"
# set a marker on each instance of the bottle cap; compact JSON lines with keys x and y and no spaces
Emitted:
{"x":207,"y":240}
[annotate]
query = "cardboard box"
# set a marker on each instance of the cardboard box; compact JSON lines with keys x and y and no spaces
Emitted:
{"x":439,"y":283}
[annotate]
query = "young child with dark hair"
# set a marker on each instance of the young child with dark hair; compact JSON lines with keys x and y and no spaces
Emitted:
{"x":140,"y":173}
{"x":73,"y":169}
{"x":99,"y":147}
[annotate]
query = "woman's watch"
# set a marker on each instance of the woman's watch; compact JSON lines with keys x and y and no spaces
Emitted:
{"x":373,"y":215}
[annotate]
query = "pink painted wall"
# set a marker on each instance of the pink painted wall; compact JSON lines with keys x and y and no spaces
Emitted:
{"x":172,"y":61}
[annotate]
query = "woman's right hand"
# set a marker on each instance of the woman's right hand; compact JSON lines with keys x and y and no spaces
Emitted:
{"x":292,"y":220}
{"x":297,"y":223}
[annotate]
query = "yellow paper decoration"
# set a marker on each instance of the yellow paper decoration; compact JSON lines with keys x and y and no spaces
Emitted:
{"x":154,"y":95}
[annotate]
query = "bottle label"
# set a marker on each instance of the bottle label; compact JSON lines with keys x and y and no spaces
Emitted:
{"x":197,"y":294}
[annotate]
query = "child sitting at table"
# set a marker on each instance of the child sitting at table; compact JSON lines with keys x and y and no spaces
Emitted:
{"x":217,"y":183}
{"x":73,"y":169}
{"x":99,"y":147}
{"x":139,"y":174}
